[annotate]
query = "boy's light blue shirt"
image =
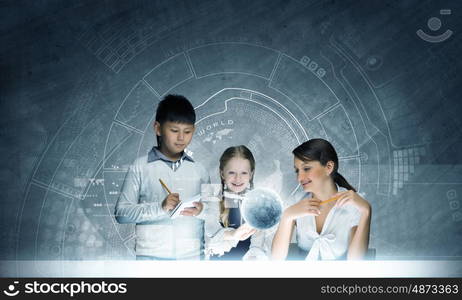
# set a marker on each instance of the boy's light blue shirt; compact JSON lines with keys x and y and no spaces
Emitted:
{"x":140,"y":202}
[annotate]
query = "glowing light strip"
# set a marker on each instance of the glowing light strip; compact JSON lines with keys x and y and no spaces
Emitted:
{"x":201,"y":269}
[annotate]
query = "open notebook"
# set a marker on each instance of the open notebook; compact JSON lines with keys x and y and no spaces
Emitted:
{"x":184,"y":204}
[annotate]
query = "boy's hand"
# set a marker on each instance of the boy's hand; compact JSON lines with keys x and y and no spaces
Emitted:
{"x":170,"y":202}
{"x":192,"y":211}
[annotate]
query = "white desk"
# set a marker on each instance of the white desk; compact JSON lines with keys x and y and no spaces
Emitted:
{"x":132,"y":268}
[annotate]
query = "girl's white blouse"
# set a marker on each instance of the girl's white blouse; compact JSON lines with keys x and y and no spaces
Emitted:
{"x":332,"y":242}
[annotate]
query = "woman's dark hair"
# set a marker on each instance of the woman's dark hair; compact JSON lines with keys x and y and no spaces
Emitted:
{"x":322,"y":151}
{"x":175,"y":108}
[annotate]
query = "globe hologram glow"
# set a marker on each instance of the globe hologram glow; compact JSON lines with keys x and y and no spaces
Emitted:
{"x":262,"y":208}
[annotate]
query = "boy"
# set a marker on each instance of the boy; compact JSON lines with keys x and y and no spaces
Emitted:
{"x":146,"y":203}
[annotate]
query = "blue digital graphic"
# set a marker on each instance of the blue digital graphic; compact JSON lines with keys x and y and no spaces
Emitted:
{"x":80,"y":82}
{"x":262,"y":208}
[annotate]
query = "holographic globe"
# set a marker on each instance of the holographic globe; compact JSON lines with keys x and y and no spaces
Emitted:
{"x":262,"y":208}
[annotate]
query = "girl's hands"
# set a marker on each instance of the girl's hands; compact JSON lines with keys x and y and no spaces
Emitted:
{"x":305,"y":207}
{"x":243,"y":232}
{"x":353,"y":198}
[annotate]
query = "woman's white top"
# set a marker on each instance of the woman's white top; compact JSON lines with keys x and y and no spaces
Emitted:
{"x":332,"y":242}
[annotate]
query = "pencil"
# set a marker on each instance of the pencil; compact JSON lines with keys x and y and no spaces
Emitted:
{"x":329,"y":200}
{"x":164,"y":186}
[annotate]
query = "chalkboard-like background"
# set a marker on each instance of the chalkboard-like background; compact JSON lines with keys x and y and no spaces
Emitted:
{"x":80,"y":81}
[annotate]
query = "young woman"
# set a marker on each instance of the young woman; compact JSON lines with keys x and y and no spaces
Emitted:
{"x":231,"y":241}
{"x":339,"y":228}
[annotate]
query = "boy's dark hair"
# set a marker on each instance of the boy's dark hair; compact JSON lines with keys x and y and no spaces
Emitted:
{"x":175,"y":108}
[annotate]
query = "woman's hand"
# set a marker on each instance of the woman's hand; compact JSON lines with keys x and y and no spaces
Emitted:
{"x":353,"y":198}
{"x":305,"y":207}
